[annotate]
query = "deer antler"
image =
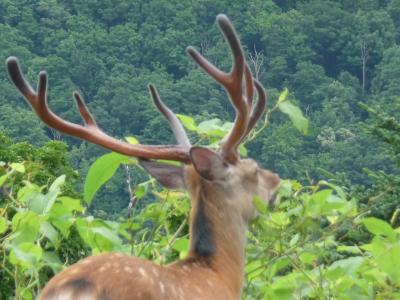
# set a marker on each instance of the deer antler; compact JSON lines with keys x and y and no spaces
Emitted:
{"x":90,"y":131}
{"x":233,"y":83}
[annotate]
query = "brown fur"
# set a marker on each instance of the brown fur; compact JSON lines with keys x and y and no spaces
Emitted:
{"x":227,"y":207}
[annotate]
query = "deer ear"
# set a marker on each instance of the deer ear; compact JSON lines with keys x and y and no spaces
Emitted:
{"x":208,"y":164}
{"x":169,"y":176}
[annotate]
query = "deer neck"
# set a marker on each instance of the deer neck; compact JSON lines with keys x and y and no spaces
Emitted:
{"x":218,"y":234}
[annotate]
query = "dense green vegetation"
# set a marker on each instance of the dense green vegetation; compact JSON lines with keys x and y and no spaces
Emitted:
{"x":339,"y":60}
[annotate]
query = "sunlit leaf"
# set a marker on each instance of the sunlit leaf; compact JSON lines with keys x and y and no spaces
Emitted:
{"x":260,"y":205}
{"x":4,"y":177}
{"x":387,"y":257}
{"x":295,"y":115}
{"x":100,"y":172}
{"x":379,"y":227}
{"x":132,"y":140}
{"x":25,"y":226}
{"x":25,"y":254}
{"x":181,"y":245}
{"x":18,"y":167}
{"x":212,"y":127}
{"x":188,"y":122}
{"x":283,"y":96}
{"x":3,"y":225}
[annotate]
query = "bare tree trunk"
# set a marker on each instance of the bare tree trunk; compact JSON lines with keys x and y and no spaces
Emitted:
{"x":364,"y":60}
{"x":256,"y":61}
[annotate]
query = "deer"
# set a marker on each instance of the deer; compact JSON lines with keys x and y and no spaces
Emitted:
{"x":220,"y":184}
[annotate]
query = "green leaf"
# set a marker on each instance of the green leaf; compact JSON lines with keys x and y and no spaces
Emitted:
{"x":379,"y":227}
{"x":52,"y":260}
{"x":254,"y":269}
{"x":25,"y":254}
{"x":242,"y":150}
{"x":39,"y":203}
{"x":260,"y":204}
{"x":347,"y":266}
{"x":283,"y":96}
{"x":280,"y":263}
{"x":132,"y":140}
{"x":181,"y":245}
{"x":71,"y":204}
{"x":212,"y":128}
{"x":141,"y":190}
{"x":387,"y":257}
{"x":308,"y":257}
{"x":4,"y":177}
{"x":295,"y":115}
{"x":349,"y":249}
{"x":279,"y":219}
{"x":25,"y":226}
{"x":54,"y":191}
{"x":50,"y":232}
{"x":188,"y":122}
{"x":20,"y":168}
{"x":100,"y":172}
{"x":3,"y":225}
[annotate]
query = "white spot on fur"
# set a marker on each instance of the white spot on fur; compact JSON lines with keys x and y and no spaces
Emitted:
{"x":155,"y":272}
{"x":102,"y":269}
{"x":128,"y":269}
{"x":180,"y":292}
{"x":74,"y":270}
{"x":173,"y":290}
{"x":65,"y":295}
{"x":142,"y":272}
{"x":198,"y":290}
{"x":162,"y":287}
{"x":209,"y":282}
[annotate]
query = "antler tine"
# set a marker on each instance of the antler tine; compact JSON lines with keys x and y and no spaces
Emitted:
{"x":84,"y":111}
{"x":249,"y":86}
{"x":90,"y":132}
{"x":259,"y":108}
{"x":232,"y":83}
{"x":176,"y":126}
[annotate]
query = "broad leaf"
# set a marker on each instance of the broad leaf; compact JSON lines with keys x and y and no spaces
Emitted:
{"x":25,"y":254}
{"x":379,"y":227}
{"x":188,"y":122}
{"x":295,"y":115}
{"x":283,"y":96}
{"x":18,"y":167}
{"x":3,"y":225}
{"x":132,"y":140}
{"x":260,"y":204}
{"x":100,"y":172}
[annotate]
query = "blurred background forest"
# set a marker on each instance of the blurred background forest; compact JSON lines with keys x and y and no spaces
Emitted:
{"x":331,"y":55}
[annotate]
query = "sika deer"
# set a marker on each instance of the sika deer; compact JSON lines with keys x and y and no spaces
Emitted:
{"x":220,"y":184}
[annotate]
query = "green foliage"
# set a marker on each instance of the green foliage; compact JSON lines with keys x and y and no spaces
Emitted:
{"x":100,"y":172}
{"x":295,"y":115}
{"x":297,"y":250}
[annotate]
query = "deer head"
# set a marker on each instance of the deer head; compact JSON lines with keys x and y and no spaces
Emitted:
{"x":221,"y":187}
